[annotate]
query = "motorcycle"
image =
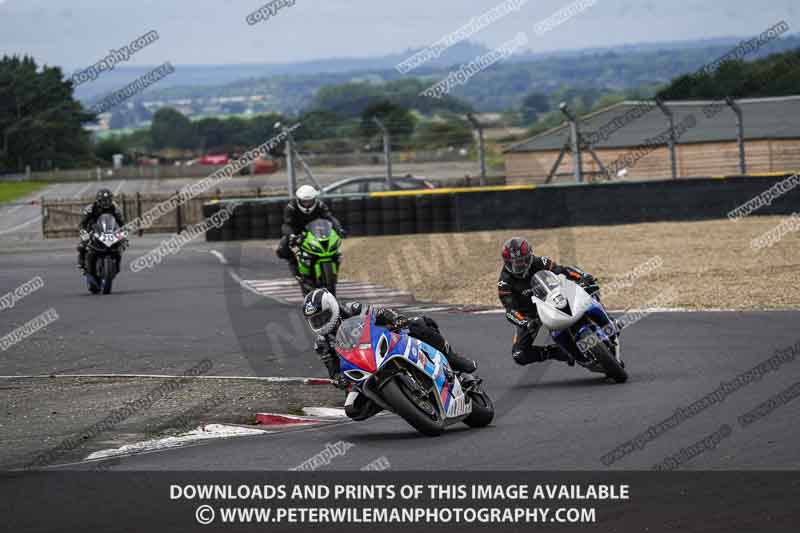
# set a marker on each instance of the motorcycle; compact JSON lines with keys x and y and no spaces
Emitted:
{"x":578,"y":323}
{"x":408,"y":377}
{"x":104,"y":248}
{"x":318,"y":256}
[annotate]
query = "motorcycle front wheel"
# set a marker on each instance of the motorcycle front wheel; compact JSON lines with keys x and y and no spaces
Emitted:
{"x":413,"y":405}
{"x":328,"y":277}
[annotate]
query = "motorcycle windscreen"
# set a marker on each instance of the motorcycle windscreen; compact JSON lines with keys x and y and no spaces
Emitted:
{"x":106,"y":224}
{"x":353,"y":343}
{"x":545,"y":283}
{"x":320,"y":228}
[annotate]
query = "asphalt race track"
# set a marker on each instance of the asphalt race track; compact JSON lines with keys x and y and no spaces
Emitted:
{"x":550,"y":416}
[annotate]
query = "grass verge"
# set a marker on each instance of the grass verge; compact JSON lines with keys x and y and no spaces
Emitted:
{"x":14,"y":190}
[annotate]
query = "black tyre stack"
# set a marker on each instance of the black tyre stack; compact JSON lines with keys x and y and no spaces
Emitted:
{"x":229,"y":232}
{"x":423,"y":213}
{"x":443,"y":216}
{"x":341,"y":210}
{"x":390,"y":217}
{"x":274,"y":219}
{"x":406,"y":215}
{"x":355,"y":217}
{"x":213,"y":234}
{"x":258,"y":220}
{"x":373,"y":217}
{"x":241,"y":217}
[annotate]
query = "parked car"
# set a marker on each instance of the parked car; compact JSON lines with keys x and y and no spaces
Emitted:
{"x":368,"y":184}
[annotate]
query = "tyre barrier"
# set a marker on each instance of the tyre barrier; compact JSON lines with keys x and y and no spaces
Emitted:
{"x":373,"y":216}
{"x":212,"y":234}
{"x":258,"y":221}
{"x":523,"y":207}
{"x":354,"y":217}
{"x":242,"y":217}
{"x":274,"y":219}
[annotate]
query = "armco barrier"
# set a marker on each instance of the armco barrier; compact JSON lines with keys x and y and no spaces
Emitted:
{"x":523,"y":206}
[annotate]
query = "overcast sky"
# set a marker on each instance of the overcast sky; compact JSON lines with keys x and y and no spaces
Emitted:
{"x":73,"y":33}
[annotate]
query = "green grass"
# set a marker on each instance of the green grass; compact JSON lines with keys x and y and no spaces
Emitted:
{"x":17,"y":189}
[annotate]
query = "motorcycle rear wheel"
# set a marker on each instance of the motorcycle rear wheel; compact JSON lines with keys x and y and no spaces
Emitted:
{"x":482,"y":410}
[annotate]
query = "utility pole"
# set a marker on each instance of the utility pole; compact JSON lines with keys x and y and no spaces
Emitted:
{"x":672,"y":137}
{"x":387,"y":152}
{"x":481,"y":145}
{"x":292,"y":177}
{"x":576,"y":141}
{"x":739,"y":133}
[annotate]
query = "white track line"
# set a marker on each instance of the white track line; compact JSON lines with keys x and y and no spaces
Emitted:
{"x":202,"y":433}
{"x":219,"y":256}
{"x":118,"y":187}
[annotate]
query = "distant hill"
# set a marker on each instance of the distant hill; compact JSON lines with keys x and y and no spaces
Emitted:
{"x":290,"y":88}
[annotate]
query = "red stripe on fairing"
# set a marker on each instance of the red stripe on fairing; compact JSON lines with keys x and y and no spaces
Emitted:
{"x":361,"y":358}
{"x":445,"y":397}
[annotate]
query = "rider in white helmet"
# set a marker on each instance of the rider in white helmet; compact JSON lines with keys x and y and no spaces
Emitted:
{"x":305,"y":207}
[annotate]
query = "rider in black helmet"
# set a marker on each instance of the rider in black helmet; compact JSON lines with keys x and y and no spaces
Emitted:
{"x":514,"y":289}
{"x":324,"y":316}
{"x":103,"y":203}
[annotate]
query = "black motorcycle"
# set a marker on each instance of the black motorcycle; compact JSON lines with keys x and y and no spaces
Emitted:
{"x":104,"y":250}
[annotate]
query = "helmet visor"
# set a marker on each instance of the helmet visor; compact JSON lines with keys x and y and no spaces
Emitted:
{"x":520,"y":265}
{"x":318,"y":320}
{"x":308,"y":204}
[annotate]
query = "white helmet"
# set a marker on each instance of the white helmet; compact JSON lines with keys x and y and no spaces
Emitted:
{"x":321,"y":311}
{"x":307,"y":198}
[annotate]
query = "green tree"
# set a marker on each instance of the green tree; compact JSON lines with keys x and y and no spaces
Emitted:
{"x":170,"y":129}
{"x":533,"y":105}
{"x":397,"y":119}
{"x":106,"y":148}
{"x":40,"y":121}
{"x":443,"y":134}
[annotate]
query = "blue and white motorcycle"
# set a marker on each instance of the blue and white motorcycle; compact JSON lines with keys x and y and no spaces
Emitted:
{"x":408,"y":377}
{"x":579,"y":324}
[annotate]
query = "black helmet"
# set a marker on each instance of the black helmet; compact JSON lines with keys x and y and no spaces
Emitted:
{"x":321,"y":310}
{"x":517,"y":256}
{"x":104,"y":199}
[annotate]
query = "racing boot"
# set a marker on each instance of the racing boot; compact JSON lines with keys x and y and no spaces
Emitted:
{"x":81,"y":259}
{"x":554,"y":352}
{"x":459,"y":363}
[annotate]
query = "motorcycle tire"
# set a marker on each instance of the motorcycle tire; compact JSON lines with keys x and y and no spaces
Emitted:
{"x":329,"y":278}
{"x":399,"y":393}
{"x":106,"y":268}
{"x":482,"y":410}
{"x":611,"y":366}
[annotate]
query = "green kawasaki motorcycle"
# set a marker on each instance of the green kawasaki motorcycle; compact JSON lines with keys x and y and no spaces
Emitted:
{"x":318,"y":256}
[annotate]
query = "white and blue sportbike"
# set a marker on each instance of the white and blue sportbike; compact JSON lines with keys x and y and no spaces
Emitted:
{"x":578,"y":323}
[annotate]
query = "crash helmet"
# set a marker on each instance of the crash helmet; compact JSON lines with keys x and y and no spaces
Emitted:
{"x":307,"y":198}
{"x":321,"y":311}
{"x":517,"y":256}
